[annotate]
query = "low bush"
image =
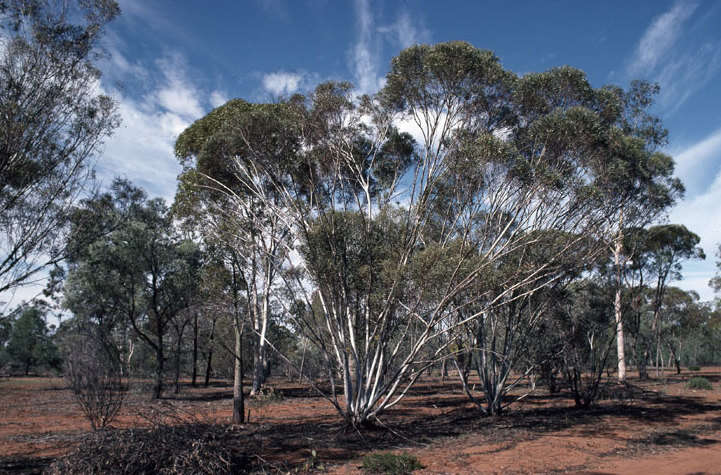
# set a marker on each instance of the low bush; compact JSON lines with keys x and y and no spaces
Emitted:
{"x":191,"y":448}
{"x":694,"y":368}
{"x":699,"y":382}
{"x":93,"y":372}
{"x":396,"y":464}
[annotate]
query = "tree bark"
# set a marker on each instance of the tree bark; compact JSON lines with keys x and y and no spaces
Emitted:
{"x":620,"y":343}
{"x":238,"y":397}
{"x":302,"y":363}
{"x":195,"y":350}
{"x":642,"y":360}
{"x":158,"y":388}
{"x":209,"y":364}
{"x":177,"y":367}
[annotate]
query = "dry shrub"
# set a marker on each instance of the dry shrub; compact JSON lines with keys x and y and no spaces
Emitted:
{"x":190,"y":448}
{"x":93,"y":371}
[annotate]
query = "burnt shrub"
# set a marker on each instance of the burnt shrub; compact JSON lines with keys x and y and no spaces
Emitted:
{"x":192,"y":448}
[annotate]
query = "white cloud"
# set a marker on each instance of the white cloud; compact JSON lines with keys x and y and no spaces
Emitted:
{"x":175,"y":93}
{"x":694,"y":164}
{"x":218,"y":98}
{"x":282,"y":83}
{"x":702,"y":215}
{"x":141,"y":149}
{"x":660,"y":37}
{"x":179,"y":99}
{"x":700,"y":212}
{"x":24,"y":293}
{"x":698,"y":280}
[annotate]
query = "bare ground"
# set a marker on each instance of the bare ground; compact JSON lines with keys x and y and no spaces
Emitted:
{"x":658,"y":426}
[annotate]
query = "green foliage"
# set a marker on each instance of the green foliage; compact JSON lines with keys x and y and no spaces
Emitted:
{"x":715,"y":282}
{"x":699,"y":382}
{"x":389,"y":463}
{"x":694,"y":368}
{"x":52,"y":122}
{"x":130,"y":267}
{"x":29,"y":342}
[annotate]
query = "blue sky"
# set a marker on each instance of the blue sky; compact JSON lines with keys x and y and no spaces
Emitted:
{"x":170,"y":62}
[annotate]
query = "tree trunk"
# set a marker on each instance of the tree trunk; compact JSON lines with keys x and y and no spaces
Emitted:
{"x":302,"y":363}
{"x":620,"y":343}
{"x":177,"y":365}
{"x":158,"y":388}
{"x":238,"y":397}
{"x":209,"y":365}
{"x":642,"y":359}
{"x":658,"y":351}
{"x":260,"y":359}
{"x":195,"y":349}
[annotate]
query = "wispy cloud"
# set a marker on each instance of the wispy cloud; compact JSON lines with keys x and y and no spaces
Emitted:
{"x":366,"y":50}
{"x":681,"y":67}
{"x":406,"y":32}
{"x":176,"y":94}
{"x":365,"y":54}
{"x":282,"y":83}
{"x":660,"y":37}
{"x":276,"y":8}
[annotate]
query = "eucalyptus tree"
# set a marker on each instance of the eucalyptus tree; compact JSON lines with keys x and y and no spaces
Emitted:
{"x":52,"y":123}
{"x":715,"y":282}
{"x":636,"y":121}
{"x":681,"y":317}
{"x":503,"y":162}
{"x":514,"y":156}
{"x":29,"y":343}
{"x":235,"y":215}
{"x":584,"y":321}
{"x":507,"y":343}
{"x":666,"y":247}
{"x":139,"y":268}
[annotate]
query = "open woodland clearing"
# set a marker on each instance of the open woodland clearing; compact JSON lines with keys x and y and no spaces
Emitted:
{"x":658,"y":426}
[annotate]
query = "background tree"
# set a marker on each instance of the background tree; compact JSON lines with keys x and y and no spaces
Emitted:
{"x":715,"y":282}
{"x":141,"y":269}
{"x":29,"y":343}
{"x":666,"y":247}
{"x":52,"y":122}
{"x":680,"y":317}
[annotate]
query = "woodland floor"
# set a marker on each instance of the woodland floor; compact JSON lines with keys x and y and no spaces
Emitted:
{"x":659,"y":427}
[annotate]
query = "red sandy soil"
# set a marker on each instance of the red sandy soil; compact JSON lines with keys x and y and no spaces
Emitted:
{"x":661,"y":427}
